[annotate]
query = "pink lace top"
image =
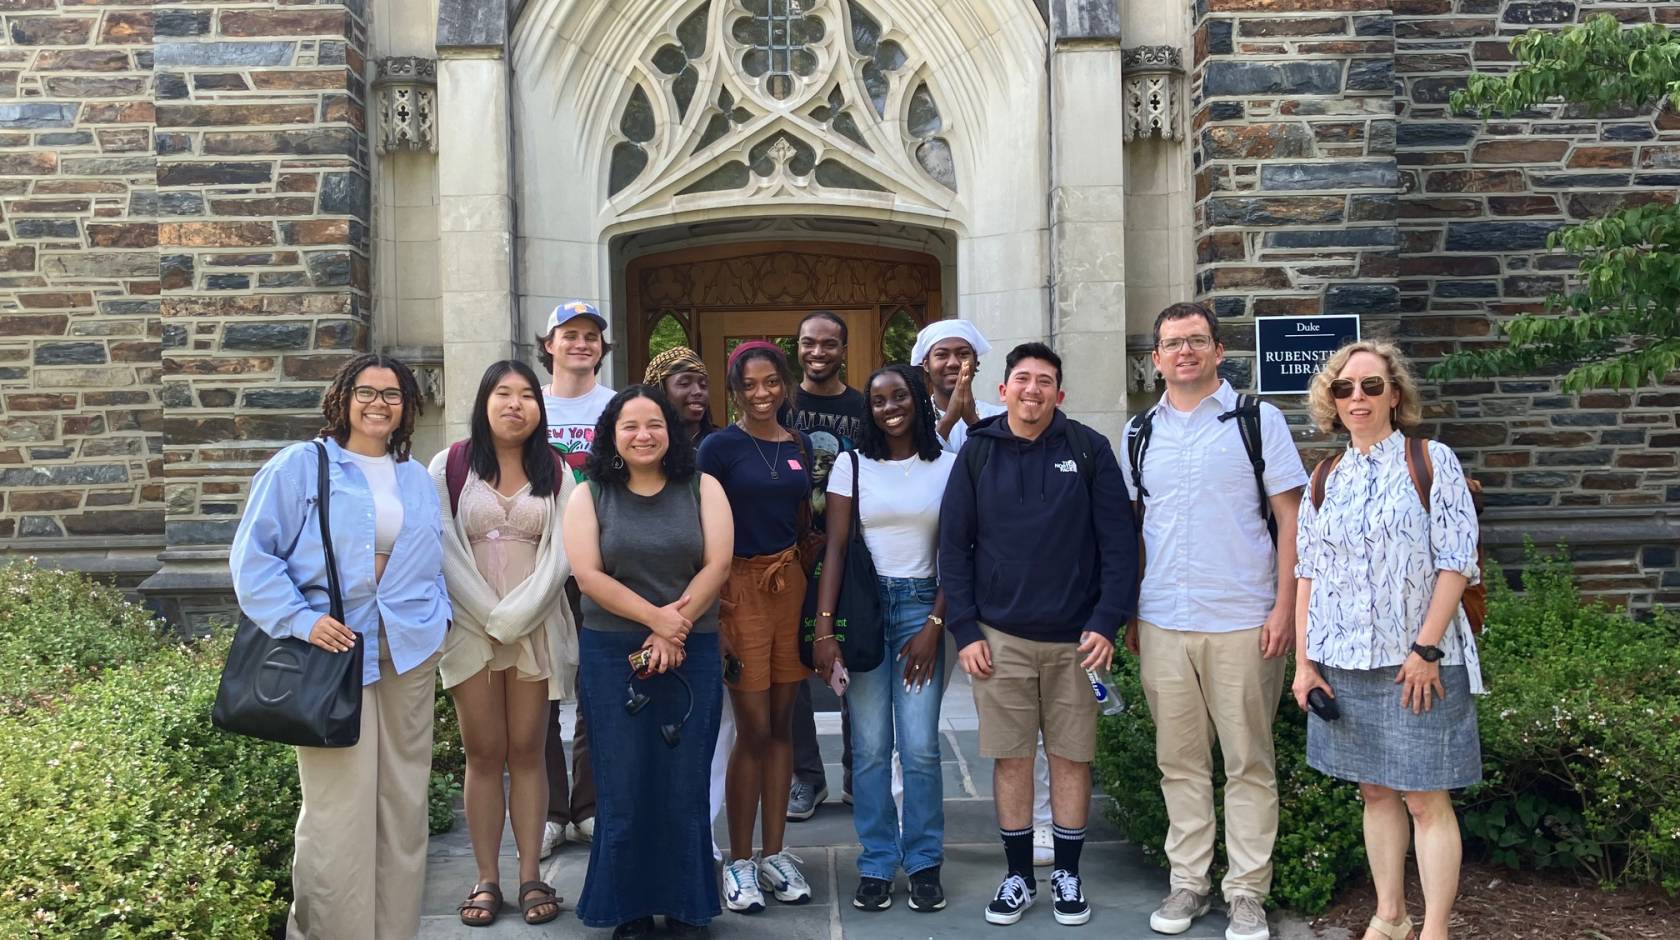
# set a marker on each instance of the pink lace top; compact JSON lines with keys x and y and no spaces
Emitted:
{"x":504,"y":532}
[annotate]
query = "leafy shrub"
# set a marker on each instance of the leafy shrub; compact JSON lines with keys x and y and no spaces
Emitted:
{"x":128,"y":815}
{"x":58,"y":628}
{"x":1580,"y":734}
{"x":1320,"y":844}
{"x":449,"y":763}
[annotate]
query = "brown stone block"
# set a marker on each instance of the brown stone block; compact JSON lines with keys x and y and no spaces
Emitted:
{"x":23,"y":6}
{"x":123,"y":497}
{"x":1449,"y":266}
{"x":1645,"y":461}
{"x":17,"y":259}
{"x":333,"y":79}
{"x":48,"y":206}
{"x":33,"y":325}
{"x":1261,"y":48}
{"x":125,"y":140}
{"x":1459,"y":327}
{"x":246,"y":23}
{"x":313,"y":368}
{"x":61,"y":187}
{"x":28,"y":164}
{"x":122,"y":28}
{"x":1346,"y":47}
{"x":108,"y":399}
{"x":41,"y":401}
{"x":337,"y":141}
{"x":1609,"y":481}
{"x":1666,"y":14}
{"x":1507,"y":458}
{"x":121,"y":112}
{"x":340,"y":109}
{"x":217,"y":365}
{"x":1519,"y":151}
{"x":1445,"y":28}
{"x":1551,"y":438}
{"x":122,"y":234}
{"x":297,"y":183}
{"x":1440,"y":208}
{"x":222,"y":81}
{"x":346,"y":334}
{"x":208,"y":115}
{"x":1492,"y":52}
{"x":137,"y":351}
{"x":50,"y":501}
{"x":1220,"y":246}
{"x":1252,"y":278}
{"x":1252,"y":141}
{"x":1523,"y":205}
{"x":50,"y":30}
{"x":1612,"y":157}
{"x":215,"y":234}
{"x":200,"y":306}
{"x":1475,"y":181}
{"x":1287,"y":306}
{"x":116,"y":522}
{"x":1412,"y":64}
{"x":1593,"y":205}
{"x":81,"y":60}
{"x":1295,"y":6}
{"x":58,"y":300}
{"x":1489,"y":434}
{"x":83,"y":425}
{"x":1293,"y":26}
{"x":316,"y":232}
{"x":1422,"y":7}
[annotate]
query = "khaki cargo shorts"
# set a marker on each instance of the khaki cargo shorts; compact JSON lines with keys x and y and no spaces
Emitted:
{"x":1034,"y":687}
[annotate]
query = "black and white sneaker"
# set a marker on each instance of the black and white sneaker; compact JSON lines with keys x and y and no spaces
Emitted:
{"x":1012,"y":900}
{"x":926,"y":893}
{"x":1071,"y":909}
{"x":873,"y":894}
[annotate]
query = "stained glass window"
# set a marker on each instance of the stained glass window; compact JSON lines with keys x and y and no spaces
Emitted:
{"x":778,"y":34}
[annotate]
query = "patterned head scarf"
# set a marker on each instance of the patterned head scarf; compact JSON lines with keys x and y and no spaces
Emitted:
{"x":670,"y":362}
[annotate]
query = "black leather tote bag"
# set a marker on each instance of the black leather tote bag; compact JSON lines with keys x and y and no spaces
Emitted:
{"x":289,"y":690}
{"x":858,"y":627}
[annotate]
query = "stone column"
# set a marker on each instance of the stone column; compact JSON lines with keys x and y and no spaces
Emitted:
{"x":1087,"y":210}
{"x":475,"y":203}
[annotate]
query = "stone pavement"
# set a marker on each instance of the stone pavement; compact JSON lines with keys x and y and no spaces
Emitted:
{"x":1122,"y":885}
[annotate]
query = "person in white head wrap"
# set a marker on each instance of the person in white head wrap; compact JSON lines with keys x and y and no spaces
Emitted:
{"x":949,"y":352}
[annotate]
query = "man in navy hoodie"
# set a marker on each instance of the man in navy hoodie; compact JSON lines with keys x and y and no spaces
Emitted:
{"x":1038,"y":560}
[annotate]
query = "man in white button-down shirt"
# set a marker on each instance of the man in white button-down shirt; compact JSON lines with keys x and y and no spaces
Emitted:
{"x":1215,"y":617}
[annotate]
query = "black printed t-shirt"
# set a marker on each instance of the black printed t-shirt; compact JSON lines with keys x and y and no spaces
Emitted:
{"x":833,"y":421}
{"x":766,"y":508}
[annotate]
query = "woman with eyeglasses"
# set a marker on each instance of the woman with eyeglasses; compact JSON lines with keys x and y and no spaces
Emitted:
{"x":649,"y":540}
{"x":1382,"y":638}
{"x":513,"y":647}
{"x":360,"y":846}
{"x":898,"y":475}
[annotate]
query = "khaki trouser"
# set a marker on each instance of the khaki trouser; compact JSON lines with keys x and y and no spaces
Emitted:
{"x":360,"y":863}
{"x":1199,"y":684}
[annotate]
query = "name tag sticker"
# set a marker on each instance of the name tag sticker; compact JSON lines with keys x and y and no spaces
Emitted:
{"x":794,"y":464}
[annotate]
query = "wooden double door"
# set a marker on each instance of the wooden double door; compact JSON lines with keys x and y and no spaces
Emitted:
{"x":714,"y":298}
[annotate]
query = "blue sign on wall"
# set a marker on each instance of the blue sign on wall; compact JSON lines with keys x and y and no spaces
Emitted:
{"x":1289,"y":351}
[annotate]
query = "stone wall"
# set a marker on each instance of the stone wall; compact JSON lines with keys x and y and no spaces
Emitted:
{"x":1330,"y":178}
{"x":80,"y":454}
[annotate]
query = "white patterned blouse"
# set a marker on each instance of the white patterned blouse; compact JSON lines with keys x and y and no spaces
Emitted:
{"x":1373,"y":553}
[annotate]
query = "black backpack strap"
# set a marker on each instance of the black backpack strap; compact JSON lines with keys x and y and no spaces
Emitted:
{"x":1138,"y":431}
{"x":975,"y":453}
{"x":1247,"y":414}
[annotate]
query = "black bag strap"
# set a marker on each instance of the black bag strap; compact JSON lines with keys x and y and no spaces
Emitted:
{"x":1138,"y":431}
{"x":323,"y":498}
{"x":1247,"y":414}
{"x":857,"y":517}
{"x":978,"y":451}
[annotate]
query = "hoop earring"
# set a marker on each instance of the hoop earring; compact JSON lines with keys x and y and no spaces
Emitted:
{"x":617,"y":462}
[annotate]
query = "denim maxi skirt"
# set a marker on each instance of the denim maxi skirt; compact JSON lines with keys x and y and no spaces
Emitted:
{"x":1377,"y":741}
{"x":652,"y":850}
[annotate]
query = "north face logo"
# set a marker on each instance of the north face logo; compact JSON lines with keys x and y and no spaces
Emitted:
{"x":1068,"y":466}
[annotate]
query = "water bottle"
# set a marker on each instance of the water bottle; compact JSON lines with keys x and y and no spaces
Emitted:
{"x":1109,"y":700}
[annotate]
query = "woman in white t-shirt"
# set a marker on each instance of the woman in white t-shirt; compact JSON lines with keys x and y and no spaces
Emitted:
{"x":900,"y":473}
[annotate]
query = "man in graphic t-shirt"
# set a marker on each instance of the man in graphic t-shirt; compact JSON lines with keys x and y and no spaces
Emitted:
{"x":571,"y":347}
{"x":831,"y":413}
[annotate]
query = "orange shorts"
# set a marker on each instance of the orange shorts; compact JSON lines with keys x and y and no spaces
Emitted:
{"x":759,"y":619}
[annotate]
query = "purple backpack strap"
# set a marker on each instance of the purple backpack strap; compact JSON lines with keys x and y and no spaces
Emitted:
{"x":455,"y":474}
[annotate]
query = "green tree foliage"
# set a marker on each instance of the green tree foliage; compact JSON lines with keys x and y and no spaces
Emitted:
{"x":1620,"y":324}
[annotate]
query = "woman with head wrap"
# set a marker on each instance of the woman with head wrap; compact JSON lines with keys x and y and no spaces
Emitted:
{"x":949,"y":351}
{"x":682,"y":376}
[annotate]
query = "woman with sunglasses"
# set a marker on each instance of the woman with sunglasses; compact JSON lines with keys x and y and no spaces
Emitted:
{"x":649,"y":540}
{"x":359,"y":863}
{"x":1381,"y":634}
{"x":513,"y":647}
{"x":898,"y":474}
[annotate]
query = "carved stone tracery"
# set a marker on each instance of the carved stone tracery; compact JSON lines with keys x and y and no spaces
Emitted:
{"x":405,"y":89}
{"x":1151,"y":76}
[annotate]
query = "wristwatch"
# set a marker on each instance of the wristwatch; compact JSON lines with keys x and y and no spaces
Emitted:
{"x":1429,"y":654}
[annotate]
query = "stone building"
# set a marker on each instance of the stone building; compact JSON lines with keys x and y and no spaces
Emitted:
{"x":205,"y":207}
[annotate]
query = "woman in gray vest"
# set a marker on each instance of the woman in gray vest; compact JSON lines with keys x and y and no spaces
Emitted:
{"x":650,"y":540}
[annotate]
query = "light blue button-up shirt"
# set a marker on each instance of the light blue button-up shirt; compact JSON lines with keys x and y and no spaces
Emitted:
{"x":279,"y":567}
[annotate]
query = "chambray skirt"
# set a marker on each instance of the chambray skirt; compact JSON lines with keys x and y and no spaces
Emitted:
{"x":1377,"y":741}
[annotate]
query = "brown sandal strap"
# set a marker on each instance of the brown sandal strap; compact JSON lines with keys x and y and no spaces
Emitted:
{"x":534,"y":894}
{"x":1396,"y":931}
{"x":491,"y":905}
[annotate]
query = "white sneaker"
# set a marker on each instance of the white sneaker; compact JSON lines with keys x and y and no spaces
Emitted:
{"x":583,"y":832}
{"x":1178,"y":911}
{"x":741,"y":893}
{"x":554,"y":834}
{"x":786,"y":882}
{"x":1044,"y":847}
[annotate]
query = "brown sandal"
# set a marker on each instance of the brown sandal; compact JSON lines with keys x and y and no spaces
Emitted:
{"x":535,"y":894}
{"x":491,"y":905}
{"x":1396,"y":931}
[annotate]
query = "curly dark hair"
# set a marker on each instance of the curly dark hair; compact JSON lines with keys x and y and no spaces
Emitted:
{"x":872,"y":441}
{"x":537,"y":456}
{"x":335,"y":404}
{"x":603,"y":451}
{"x":736,"y":378}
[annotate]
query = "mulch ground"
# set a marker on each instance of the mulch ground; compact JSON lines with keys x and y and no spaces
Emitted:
{"x":1513,"y":905}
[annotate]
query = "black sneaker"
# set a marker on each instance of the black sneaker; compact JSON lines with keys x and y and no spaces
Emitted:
{"x":1071,"y":909}
{"x":873,"y":894}
{"x":685,"y":930}
{"x":926,"y":894}
{"x":1013,"y":898}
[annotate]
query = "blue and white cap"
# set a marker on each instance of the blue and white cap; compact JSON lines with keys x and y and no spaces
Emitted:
{"x":571,"y":310}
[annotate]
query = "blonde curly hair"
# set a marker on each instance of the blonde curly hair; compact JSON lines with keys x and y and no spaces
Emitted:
{"x":1407,"y":415}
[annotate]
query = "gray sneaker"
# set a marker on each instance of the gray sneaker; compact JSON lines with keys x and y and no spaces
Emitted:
{"x":1248,"y":919}
{"x":1178,"y":911}
{"x":803,"y":800}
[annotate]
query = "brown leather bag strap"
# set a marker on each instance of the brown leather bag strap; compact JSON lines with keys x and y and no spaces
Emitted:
{"x":1421,"y":468}
{"x":1320,"y":475}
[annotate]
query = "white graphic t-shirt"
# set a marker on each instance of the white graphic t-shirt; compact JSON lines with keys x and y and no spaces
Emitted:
{"x":571,"y":424}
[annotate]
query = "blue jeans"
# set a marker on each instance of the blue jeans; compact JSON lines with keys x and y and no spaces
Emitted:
{"x":883,"y":710}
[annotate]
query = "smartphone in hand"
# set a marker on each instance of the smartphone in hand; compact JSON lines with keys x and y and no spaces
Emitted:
{"x":731,"y":669}
{"x":839,"y":679}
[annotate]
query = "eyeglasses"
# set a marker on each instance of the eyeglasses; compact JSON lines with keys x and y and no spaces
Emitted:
{"x":1199,"y":342}
{"x":367,"y":393}
{"x":1371,"y":385}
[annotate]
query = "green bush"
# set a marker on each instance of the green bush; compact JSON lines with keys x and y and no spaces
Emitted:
{"x":58,"y":628}
{"x":1580,"y":735}
{"x":1319,"y":846}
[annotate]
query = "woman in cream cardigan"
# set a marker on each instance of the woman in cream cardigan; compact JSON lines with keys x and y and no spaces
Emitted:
{"x":513,"y":646}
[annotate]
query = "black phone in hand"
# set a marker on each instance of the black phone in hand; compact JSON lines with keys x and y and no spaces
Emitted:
{"x":1323,"y":705}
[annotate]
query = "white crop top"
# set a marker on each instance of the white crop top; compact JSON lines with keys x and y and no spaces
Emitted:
{"x":381,"y":473}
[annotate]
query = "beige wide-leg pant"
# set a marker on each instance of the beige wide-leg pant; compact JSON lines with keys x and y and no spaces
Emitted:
{"x":359,"y":867}
{"x":1199,"y":684}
